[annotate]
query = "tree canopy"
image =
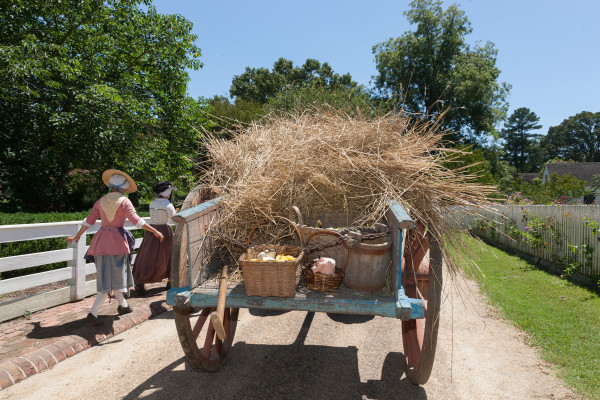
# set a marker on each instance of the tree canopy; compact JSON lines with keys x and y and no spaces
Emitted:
{"x":432,"y":68}
{"x":261,"y":84}
{"x":577,"y":138}
{"x":89,"y":85}
{"x":519,"y":139}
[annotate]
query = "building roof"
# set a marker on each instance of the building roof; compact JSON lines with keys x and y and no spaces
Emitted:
{"x":580,"y":170}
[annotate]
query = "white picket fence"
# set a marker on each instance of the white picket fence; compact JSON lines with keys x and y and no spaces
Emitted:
{"x":558,"y":232}
{"x":75,"y":272}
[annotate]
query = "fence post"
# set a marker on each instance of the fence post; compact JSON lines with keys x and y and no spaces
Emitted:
{"x":77,"y":265}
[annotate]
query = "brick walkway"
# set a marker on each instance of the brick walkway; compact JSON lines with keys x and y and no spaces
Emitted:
{"x":31,"y":345}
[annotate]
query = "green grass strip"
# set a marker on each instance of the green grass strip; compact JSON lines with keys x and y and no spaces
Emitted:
{"x":561,"y":318}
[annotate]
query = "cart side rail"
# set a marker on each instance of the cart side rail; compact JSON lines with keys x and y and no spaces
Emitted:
{"x":195,"y":223}
{"x":190,"y":214}
{"x":400,"y":221}
{"x":398,"y":216}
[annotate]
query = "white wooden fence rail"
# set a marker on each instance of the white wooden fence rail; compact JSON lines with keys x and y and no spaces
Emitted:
{"x":559,"y":232}
{"x":75,"y":272}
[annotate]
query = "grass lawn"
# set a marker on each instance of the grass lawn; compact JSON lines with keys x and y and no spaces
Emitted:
{"x":561,"y":318}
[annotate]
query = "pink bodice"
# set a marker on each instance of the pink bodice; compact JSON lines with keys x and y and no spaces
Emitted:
{"x":108,"y":240}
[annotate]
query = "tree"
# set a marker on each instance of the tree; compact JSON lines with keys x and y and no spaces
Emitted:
{"x":577,"y":138}
{"x":225,"y":115}
{"x":350,"y":100}
{"x":432,"y":68}
{"x":472,"y":162}
{"x":519,"y":140}
{"x":90,"y":85}
{"x":260,"y":84}
{"x":498,"y":167}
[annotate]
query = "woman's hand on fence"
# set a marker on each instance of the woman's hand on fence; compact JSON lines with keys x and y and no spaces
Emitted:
{"x":71,"y":238}
{"x":77,"y":235}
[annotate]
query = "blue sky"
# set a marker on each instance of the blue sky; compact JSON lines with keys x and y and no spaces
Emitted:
{"x":547,"y":50}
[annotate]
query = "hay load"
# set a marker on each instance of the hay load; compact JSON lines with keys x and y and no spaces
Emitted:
{"x":325,"y":161}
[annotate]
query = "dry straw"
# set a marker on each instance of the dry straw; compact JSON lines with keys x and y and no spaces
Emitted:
{"x":325,"y":161}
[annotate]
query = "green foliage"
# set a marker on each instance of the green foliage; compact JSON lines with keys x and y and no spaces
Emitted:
{"x":259,"y":92}
{"x":350,"y":100}
{"x":432,"y":68}
{"x":225,"y":115}
{"x":577,"y":138}
{"x":499,"y":168}
{"x":519,"y":141}
{"x":472,"y":161}
{"x":559,"y":189}
{"x":261,"y":84}
{"x":560,"y":318}
{"x":87,"y":86}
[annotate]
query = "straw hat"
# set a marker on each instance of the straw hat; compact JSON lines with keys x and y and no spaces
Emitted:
{"x":106,"y":178}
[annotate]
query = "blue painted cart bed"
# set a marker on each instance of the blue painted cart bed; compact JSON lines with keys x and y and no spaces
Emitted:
{"x":415,"y":298}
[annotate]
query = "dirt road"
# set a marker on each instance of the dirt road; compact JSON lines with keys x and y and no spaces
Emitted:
{"x":299,"y":355}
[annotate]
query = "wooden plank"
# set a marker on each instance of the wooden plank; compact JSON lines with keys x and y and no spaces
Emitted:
{"x":342,"y":301}
{"x":190,"y":214}
{"x":22,"y":232}
{"x":339,"y":302}
{"x":398,"y":216}
{"x":77,"y":265}
{"x":17,"y":308}
{"x":90,"y":268}
{"x":29,"y":281}
{"x":35,"y":259}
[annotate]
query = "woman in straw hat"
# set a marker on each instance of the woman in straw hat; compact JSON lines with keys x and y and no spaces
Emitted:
{"x":153,"y":261}
{"x":112,"y":247}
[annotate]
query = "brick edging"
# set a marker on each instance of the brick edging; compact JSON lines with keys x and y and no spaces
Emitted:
{"x":16,"y":369}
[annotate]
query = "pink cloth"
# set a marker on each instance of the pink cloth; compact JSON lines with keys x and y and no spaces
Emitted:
{"x":324,"y":265}
{"x":109,"y":241}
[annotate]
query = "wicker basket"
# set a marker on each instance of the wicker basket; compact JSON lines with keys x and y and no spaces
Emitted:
{"x":318,"y":282}
{"x":271,"y":278}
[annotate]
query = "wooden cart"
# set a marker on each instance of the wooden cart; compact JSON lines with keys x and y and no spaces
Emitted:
{"x":415,"y":300}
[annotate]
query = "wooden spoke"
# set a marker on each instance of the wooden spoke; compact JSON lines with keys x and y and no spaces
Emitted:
{"x":203,"y":349}
{"x":208,"y":341}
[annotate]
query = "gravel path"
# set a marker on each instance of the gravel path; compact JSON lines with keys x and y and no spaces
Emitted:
{"x":299,"y":355}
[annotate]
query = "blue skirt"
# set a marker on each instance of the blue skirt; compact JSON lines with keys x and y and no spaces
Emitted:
{"x":113,"y":273}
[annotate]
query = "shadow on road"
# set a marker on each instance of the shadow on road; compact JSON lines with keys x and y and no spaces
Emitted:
{"x":296,"y":371}
{"x":350,"y":318}
{"x":263,"y":312}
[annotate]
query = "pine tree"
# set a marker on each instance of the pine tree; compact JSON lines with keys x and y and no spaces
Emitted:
{"x":520,"y":142}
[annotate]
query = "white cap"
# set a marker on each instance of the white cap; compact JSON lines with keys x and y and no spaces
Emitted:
{"x":119,"y":181}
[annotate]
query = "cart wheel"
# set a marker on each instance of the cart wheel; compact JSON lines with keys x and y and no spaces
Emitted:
{"x":204,"y":352}
{"x":422,"y":278}
{"x":210,"y":353}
